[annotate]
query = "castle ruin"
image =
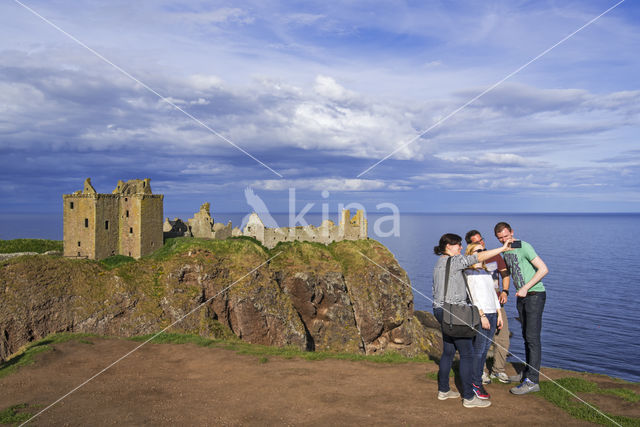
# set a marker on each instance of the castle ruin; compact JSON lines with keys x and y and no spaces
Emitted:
{"x":126,"y":222}
{"x":201,"y":226}
{"x":129,"y":222}
{"x":348,"y":229}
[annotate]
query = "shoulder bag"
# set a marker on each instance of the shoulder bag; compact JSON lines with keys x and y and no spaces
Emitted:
{"x":459,"y":321}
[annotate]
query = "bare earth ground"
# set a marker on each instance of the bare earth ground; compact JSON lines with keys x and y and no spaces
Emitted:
{"x":170,"y":384}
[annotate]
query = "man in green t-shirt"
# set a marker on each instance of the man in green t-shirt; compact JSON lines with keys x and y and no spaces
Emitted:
{"x":527,"y":270}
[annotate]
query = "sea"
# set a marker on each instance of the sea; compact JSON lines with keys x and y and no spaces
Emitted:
{"x":590,"y":321}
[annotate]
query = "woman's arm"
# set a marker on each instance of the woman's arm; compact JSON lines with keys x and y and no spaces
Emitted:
{"x":485,"y":255}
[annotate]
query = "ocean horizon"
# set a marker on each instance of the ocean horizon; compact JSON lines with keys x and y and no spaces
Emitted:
{"x":591,"y":286}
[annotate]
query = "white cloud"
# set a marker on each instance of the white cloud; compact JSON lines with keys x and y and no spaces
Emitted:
{"x":205,"y":168}
{"x":330,"y":184}
{"x":329,"y":88}
{"x":490,"y":159}
{"x":303,"y":19}
{"x":218,"y":16}
{"x":204,"y":82}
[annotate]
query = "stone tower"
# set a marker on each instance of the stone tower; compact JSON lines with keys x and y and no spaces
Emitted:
{"x":127,"y":222}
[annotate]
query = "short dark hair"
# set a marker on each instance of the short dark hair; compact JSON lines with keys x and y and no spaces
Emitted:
{"x":446,"y":239}
{"x":470,"y":234}
{"x":501,"y":226}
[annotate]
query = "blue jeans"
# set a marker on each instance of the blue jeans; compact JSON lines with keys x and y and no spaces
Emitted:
{"x":530,"y":311}
{"x":481,"y":343}
{"x":449,"y":347}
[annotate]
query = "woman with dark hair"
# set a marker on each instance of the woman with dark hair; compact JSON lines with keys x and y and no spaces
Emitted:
{"x":450,"y":246}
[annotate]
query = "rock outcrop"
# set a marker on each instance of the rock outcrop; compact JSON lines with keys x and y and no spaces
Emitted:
{"x":350,"y":296}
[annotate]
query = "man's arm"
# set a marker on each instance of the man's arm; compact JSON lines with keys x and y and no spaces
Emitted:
{"x":506,"y":279}
{"x":542,"y":271}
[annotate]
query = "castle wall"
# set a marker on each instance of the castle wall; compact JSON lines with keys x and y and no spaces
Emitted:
{"x":175,"y":228}
{"x":221,"y":232}
{"x":151,"y":214}
{"x":79,"y":224}
{"x":107,"y":228}
{"x":255,"y":228}
{"x":349,"y":229}
{"x":129,"y":232}
{"x":201,"y":226}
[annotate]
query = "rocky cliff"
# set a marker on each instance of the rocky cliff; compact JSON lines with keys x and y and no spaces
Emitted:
{"x":308,"y":295}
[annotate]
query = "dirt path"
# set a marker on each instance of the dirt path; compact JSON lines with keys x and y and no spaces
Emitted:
{"x":164,"y":384}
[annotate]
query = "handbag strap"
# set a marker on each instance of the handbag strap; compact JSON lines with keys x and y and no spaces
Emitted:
{"x":466,"y":283}
{"x":446,"y":278}
{"x":446,"y":281}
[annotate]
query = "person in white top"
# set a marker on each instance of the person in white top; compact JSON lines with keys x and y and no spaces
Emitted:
{"x":484,"y":297}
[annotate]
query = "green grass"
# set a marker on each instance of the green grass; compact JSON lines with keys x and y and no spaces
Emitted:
{"x":26,"y":356}
{"x":623,"y":393}
{"x":183,"y":244}
{"x":12,"y":414}
{"x":116,"y":261}
{"x":29,"y":245}
{"x":559,"y":397}
{"x":252,"y":240}
{"x":242,"y":347}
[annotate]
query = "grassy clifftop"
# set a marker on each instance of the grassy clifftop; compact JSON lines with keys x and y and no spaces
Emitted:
{"x":29,"y":245}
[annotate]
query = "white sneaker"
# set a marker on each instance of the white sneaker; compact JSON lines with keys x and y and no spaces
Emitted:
{"x":475,"y":403}
{"x":526,"y":387}
{"x":485,"y":378}
{"x":444,"y":395}
{"x":500,"y":376}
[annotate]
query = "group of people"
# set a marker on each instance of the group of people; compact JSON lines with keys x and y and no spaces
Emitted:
{"x":481,"y":278}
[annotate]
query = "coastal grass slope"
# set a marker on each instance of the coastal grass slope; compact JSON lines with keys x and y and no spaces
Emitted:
{"x":30,"y":245}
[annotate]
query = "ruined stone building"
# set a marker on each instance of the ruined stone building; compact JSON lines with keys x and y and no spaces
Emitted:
{"x":126,"y":222}
{"x":201,"y":226}
{"x":348,"y":229}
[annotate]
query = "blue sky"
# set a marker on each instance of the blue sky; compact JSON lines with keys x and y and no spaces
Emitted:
{"x":319,"y":92}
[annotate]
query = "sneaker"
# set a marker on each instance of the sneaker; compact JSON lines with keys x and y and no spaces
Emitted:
{"x":500,"y":376}
{"x":444,"y":395}
{"x":517,"y":378}
{"x":475,"y":403}
{"x":525,"y":387}
{"x":485,"y":378}
{"x":480,"y":392}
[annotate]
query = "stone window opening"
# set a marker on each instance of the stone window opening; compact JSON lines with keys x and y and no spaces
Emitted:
{"x":78,"y":253}
{"x":129,"y":253}
{"x":130,"y":230}
{"x":70,"y":205}
{"x":78,"y":244}
{"x":127,"y":214}
{"x":125,"y":199}
{"x":86,"y":223}
{"x":106,"y":225}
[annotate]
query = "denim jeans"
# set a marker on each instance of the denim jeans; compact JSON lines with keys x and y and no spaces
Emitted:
{"x":481,"y":343}
{"x":530,"y":310}
{"x":449,"y":347}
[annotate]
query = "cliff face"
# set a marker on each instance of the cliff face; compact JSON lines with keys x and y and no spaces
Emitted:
{"x":310,"y":296}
